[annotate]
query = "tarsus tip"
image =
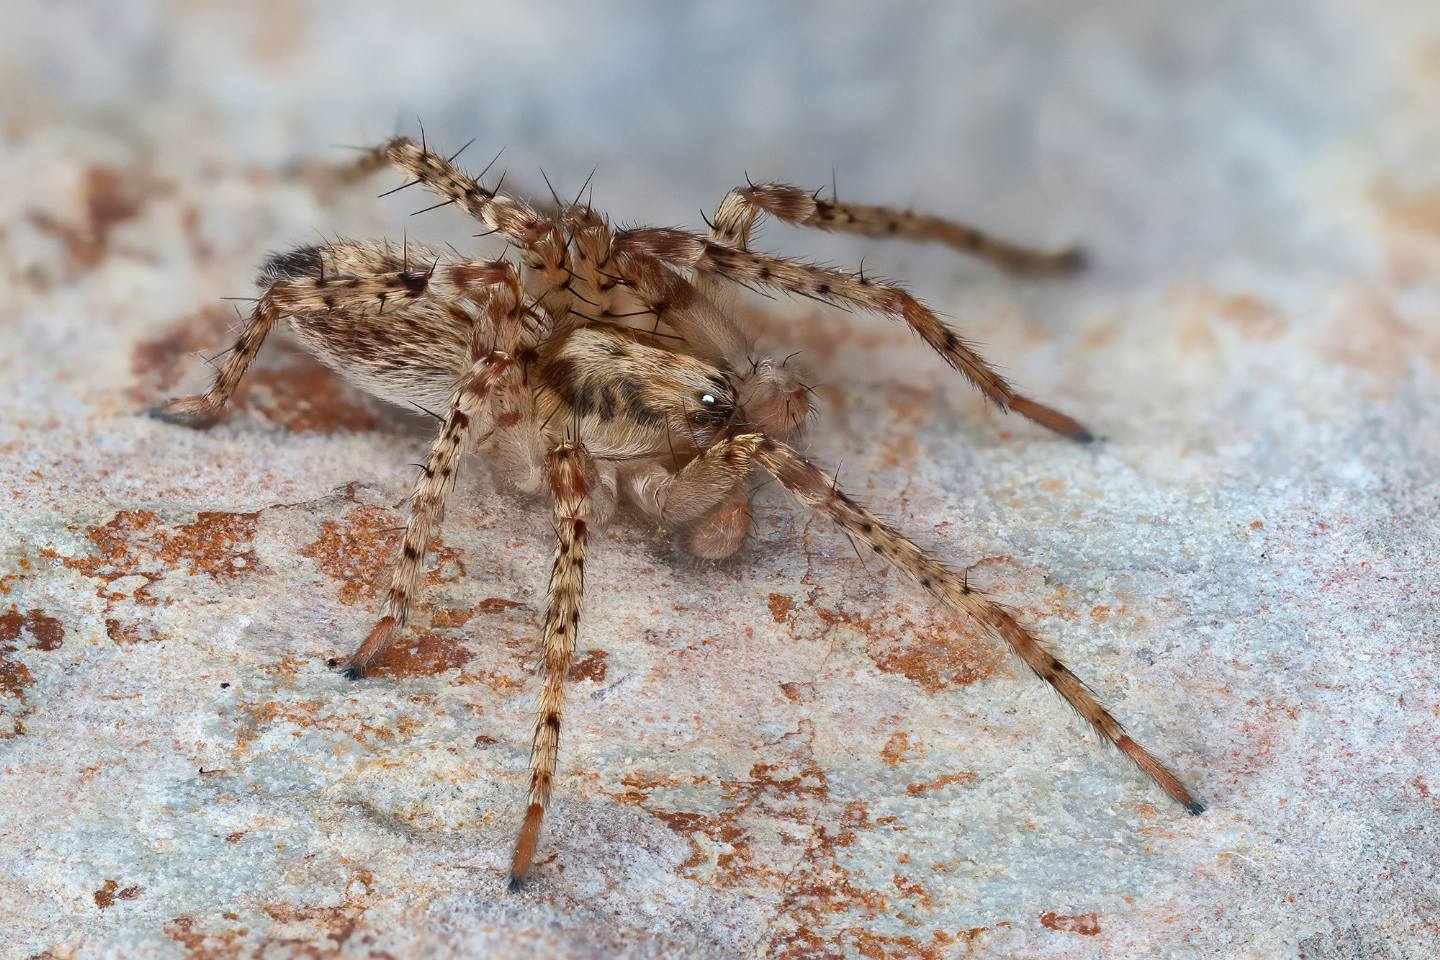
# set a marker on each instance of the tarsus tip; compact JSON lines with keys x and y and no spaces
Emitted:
{"x":1195,"y":808}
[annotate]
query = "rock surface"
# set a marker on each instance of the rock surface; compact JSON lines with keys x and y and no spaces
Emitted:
{"x":792,"y":754}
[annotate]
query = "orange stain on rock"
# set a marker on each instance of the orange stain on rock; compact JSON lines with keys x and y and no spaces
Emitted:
{"x":107,"y":198}
{"x":1369,"y":335}
{"x":109,"y":890}
{"x":287,"y":387}
{"x":305,"y":397}
{"x":201,"y":945}
{"x":358,"y":551}
{"x":826,"y":912}
{"x":779,"y":607}
{"x":590,"y":667}
{"x":30,"y":631}
{"x":127,"y":632}
{"x":160,"y":363}
{"x":1412,"y":221}
{"x":768,"y":795}
{"x":916,"y":789}
{"x":1085,"y":924}
{"x":421,"y":655}
{"x":137,"y":542}
{"x":934,"y":654}
{"x":1253,"y":317}
{"x":896,"y":748}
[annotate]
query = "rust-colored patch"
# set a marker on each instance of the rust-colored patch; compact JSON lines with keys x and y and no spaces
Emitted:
{"x":44,"y":633}
{"x":423,"y":654}
{"x":779,"y":607}
{"x":936,"y":653}
{"x":358,"y":551}
{"x":770,"y":794}
{"x":915,"y":789}
{"x":136,"y":542}
{"x":162,"y":362}
{"x":287,"y":387}
{"x":1412,"y":218}
{"x":825,"y":913}
{"x":1085,"y":924}
{"x":128,"y":632}
{"x":913,"y":889}
{"x":459,"y":616}
{"x":201,"y":945}
{"x":1254,"y":318}
{"x":109,"y":890}
{"x":108,"y":199}
{"x":896,"y":748}
{"x":591,"y":667}
{"x":306,"y":714}
{"x":1370,"y":335}
{"x":305,"y":396}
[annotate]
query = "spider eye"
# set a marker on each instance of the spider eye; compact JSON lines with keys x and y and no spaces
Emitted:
{"x":707,"y":399}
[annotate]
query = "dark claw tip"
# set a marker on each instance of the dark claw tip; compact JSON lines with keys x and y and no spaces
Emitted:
{"x":514,"y":884}
{"x":1073,"y":260}
{"x":1196,"y":808}
{"x":162,"y":411}
{"x":347,"y":671}
{"x":166,"y":413}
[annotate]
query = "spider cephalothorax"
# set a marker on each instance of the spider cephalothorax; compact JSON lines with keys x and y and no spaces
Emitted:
{"x":536,"y":367}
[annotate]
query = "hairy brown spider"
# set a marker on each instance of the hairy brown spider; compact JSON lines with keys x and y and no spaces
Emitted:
{"x":536,"y":367}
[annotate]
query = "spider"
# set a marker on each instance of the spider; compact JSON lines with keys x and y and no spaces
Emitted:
{"x":536,"y":366}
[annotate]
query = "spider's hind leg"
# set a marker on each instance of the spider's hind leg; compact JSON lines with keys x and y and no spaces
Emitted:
{"x":301,"y":281}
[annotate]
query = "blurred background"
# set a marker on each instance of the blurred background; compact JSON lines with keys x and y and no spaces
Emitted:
{"x":792,"y":755}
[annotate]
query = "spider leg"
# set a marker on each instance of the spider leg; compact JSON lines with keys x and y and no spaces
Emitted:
{"x":472,"y":401}
{"x":720,"y":531}
{"x":543,"y":245}
{"x":335,"y":279}
{"x":567,"y":467}
{"x":736,"y":215}
{"x":705,"y":326}
{"x":819,"y":493}
{"x":682,"y":497}
{"x":427,"y":505}
{"x":845,"y":290}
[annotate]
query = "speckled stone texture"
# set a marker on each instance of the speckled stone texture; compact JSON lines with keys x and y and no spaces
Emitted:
{"x":793,"y":754}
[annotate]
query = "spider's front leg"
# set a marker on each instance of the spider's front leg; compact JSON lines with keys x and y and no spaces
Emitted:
{"x":846,"y":290}
{"x":818,"y":492}
{"x":736,"y":215}
{"x":682,"y":497}
{"x":567,"y":466}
